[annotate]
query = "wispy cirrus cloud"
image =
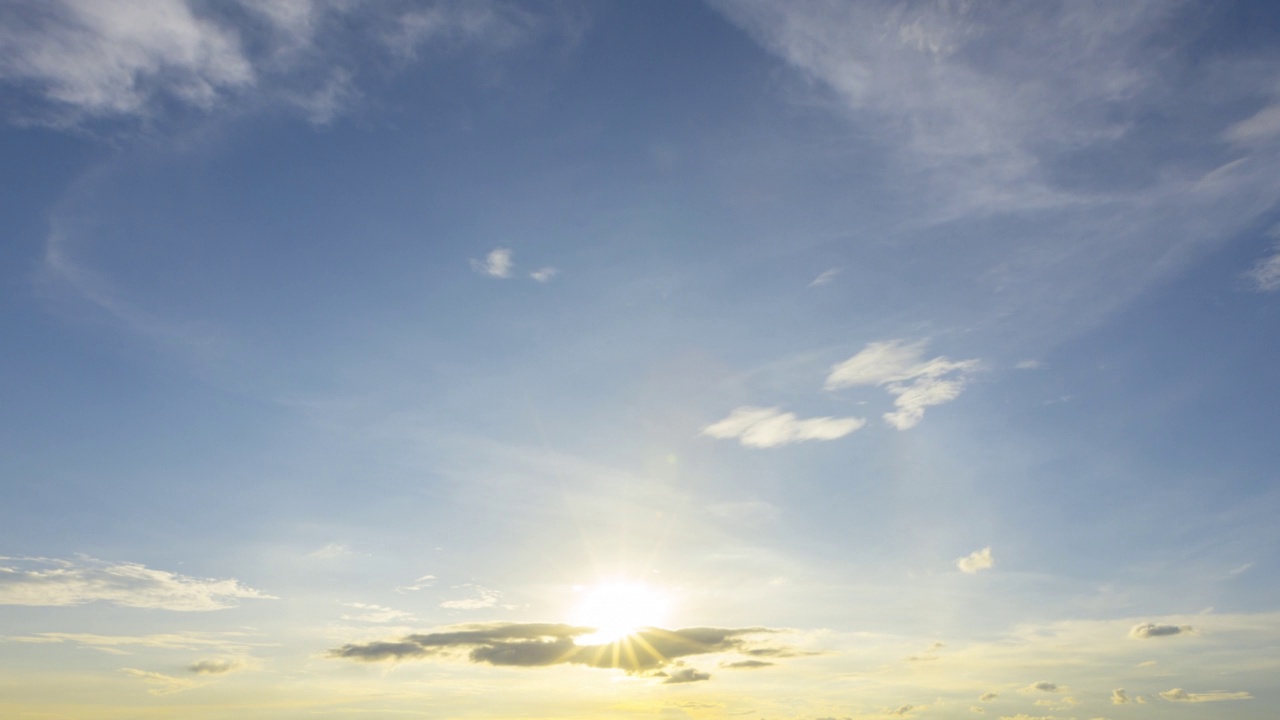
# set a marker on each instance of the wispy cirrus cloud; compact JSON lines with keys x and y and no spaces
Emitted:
{"x":482,"y":597}
{"x":51,"y":582}
{"x":770,"y":427}
{"x":899,"y":367}
{"x":161,"y":684}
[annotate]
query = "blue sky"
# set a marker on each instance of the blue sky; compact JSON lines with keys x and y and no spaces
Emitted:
{"x":841,"y":360}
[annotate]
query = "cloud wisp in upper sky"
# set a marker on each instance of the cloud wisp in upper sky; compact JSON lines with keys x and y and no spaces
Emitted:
{"x":900,"y":368}
{"x":60,"y":583}
{"x":770,"y":427}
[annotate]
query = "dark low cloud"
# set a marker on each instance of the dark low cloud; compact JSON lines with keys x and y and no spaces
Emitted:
{"x":215,"y":667}
{"x":747,"y":664}
{"x":1151,"y":630}
{"x":684,"y":675}
{"x":543,"y":644}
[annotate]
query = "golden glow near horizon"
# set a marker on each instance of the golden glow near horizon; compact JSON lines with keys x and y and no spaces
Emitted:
{"x":618,"y":609}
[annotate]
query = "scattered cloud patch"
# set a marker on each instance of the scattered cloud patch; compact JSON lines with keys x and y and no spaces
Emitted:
{"x":545,"y":274}
{"x":902,"y":710}
{"x":900,"y":368}
{"x":1265,"y":274}
{"x":483,"y":598}
{"x":161,"y":684}
{"x":216,"y":667}
{"x":988,"y":696}
{"x":331,"y":551}
{"x":1042,"y":686}
{"x":747,"y":665}
{"x":375,"y":613}
{"x":770,"y":427}
{"x":1119,"y":697}
{"x":1027,"y":365}
{"x":544,"y":644}
{"x":825,"y":277}
{"x":683,"y":675}
{"x":60,"y":583}
{"x":1180,"y":695}
{"x":163,"y":641}
{"x":1145,"y":631}
{"x":976,"y":561}
{"x":1260,"y":127}
{"x":496,"y":264}
{"x":423,"y":582}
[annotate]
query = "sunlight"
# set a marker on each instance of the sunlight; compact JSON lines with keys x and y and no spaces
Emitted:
{"x":618,"y":609}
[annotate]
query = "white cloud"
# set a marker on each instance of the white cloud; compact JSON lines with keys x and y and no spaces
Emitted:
{"x":1119,"y":697}
{"x":1144,"y":631}
{"x":163,"y":641}
{"x":422,"y":582}
{"x":976,"y":561}
{"x":901,"y":369}
{"x":1265,"y":274}
{"x":770,"y":427}
{"x":45,"y":582}
{"x":330,"y":551}
{"x":1180,"y":695}
{"x":826,"y":277}
{"x":163,"y":684}
{"x":496,"y":264}
{"x":483,"y":598}
{"x":1263,"y":125}
{"x":1027,"y":365}
{"x":544,"y":274}
{"x":217,"y":666}
{"x":376,"y":613}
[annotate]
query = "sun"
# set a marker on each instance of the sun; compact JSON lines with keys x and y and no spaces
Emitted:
{"x":618,"y":609}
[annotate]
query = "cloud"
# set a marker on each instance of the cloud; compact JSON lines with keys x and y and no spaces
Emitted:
{"x":770,"y":427}
{"x":164,"y":684}
{"x":484,"y":598}
{"x":1180,"y":695}
{"x":84,"y":59}
{"x":420,"y":583}
{"x":902,"y":710}
{"x":824,"y":278}
{"x":976,"y":561}
{"x":331,"y":551}
{"x":376,"y":613}
{"x":1119,"y":697}
{"x":683,"y":675}
{"x":496,"y":264}
{"x":543,"y":644}
{"x":1265,"y":275}
{"x":900,"y":368}
{"x":988,"y":696}
{"x":1042,"y":686}
{"x":1145,"y":631}
{"x":46,"y":582}
{"x":162,"y":641}
{"x":216,"y":667}
{"x":747,"y":665}
{"x":545,"y":274}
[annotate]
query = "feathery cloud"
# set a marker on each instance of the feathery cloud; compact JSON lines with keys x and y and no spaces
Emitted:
{"x":48,"y":582}
{"x":483,"y":598}
{"x":900,"y":368}
{"x":545,"y":274}
{"x":770,"y":427}
{"x":976,"y":561}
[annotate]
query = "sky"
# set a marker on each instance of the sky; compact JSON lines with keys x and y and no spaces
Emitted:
{"x":742,"y":359}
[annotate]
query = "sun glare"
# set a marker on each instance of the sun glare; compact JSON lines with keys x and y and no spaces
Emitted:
{"x":617,"y":610}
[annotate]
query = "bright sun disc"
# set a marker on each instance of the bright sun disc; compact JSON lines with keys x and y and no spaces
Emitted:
{"x":617,"y":610}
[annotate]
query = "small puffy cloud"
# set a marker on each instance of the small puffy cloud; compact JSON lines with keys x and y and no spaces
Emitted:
{"x":770,"y":427}
{"x":545,"y":274}
{"x":57,"y":583}
{"x":976,"y":561}
{"x":1145,"y":631}
{"x":683,"y":675}
{"x":483,"y":598}
{"x":1042,"y":686}
{"x":1180,"y":695}
{"x":216,"y":666}
{"x":988,"y":696}
{"x":902,"y":710}
{"x":1119,"y":697}
{"x":900,"y":368}
{"x":824,"y":278}
{"x":544,"y":644}
{"x":496,"y":264}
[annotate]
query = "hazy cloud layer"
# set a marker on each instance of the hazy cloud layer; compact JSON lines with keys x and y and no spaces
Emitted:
{"x":542,"y":644}
{"x":976,"y":561}
{"x":41,"y":581}
{"x":900,"y":368}
{"x":770,"y":427}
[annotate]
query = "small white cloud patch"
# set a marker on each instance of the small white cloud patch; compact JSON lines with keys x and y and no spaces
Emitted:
{"x":56,"y":583}
{"x":826,"y":277}
{"x":1180,"y":695}
{"x":496,"y":264}
{"x":900,"y":368}
{"x":770,"y":427}
{"x":1265,"y":275}
{"x":545,"y":274}
{"x":976,"y":561}
{"x":483,"y":598}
